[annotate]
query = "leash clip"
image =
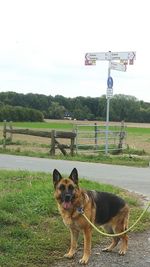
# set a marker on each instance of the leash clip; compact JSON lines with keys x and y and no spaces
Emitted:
{"x":80,"y":210}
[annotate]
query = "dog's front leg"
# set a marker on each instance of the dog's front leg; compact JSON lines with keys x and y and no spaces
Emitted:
{"x":87,"y":245}
{"x":74,"y":238}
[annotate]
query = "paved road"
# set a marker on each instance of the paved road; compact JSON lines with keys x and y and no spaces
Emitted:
{"x":131,"y":178}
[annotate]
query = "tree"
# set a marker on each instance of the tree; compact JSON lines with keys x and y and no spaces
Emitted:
{"x":124,"y":108}
{"x":144,"y":115}
{"x":10,"y":113}
{"x":102,"y":108}
{"x":56,"y":111}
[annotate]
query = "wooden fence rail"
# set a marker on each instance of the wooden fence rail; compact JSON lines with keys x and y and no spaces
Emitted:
{"x":54,"y":135}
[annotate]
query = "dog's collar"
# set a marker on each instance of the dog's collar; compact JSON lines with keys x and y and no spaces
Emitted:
{"x":80,"y":210}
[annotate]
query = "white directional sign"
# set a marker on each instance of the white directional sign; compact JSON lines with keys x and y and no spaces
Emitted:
{"x":98,"y":56}
{"x":89,"y":61}
{"x":109,"y":92}
{"x":117,"y":66}
{"x":124,"y":56}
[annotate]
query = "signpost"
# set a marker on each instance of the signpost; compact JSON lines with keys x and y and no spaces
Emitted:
{"x":124,"y":59}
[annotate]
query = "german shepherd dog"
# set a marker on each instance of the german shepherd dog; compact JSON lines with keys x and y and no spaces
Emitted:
{"x":105,"y":209}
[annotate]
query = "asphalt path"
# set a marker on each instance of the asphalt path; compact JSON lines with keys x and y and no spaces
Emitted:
{"x":130,"y":178}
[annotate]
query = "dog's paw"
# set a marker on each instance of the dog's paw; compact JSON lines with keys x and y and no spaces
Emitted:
{"x":106,"y":249}
{"x":69,"y":255}
{"x":84,"y":260}
{"x":122,"y":252}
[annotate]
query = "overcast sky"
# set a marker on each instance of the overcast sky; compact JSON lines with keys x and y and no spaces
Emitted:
{"x":43,"y":44}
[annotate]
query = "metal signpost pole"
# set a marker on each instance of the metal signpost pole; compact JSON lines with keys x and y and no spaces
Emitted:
{"x":107,"y":114}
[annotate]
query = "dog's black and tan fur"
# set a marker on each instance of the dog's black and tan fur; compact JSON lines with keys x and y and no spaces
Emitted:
{"x":102,"y":208}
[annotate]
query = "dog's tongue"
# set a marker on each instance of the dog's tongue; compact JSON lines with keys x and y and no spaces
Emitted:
{"x":66,"y":205}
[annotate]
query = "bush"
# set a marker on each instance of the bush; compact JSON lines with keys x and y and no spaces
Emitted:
{"x":11,"y":113}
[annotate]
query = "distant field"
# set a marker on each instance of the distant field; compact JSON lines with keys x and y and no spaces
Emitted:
{"x":135,"y":128}
{"x":138,"y":134}
{"x":44,"y":125}
{"x":69,"y":125}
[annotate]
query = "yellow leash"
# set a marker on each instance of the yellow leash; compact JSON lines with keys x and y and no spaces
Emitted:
{"x":114,"y":235}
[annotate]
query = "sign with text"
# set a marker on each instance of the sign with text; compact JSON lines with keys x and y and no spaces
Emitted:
{"x":131,"y":56}
{"x":118,"y":66}
{"x":109,"y":92}
{"x":97,"y":56}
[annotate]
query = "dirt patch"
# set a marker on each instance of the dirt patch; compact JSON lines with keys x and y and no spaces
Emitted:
{"x":138,"y":254}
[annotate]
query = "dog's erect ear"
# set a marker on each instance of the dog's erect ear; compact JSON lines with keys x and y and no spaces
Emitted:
{"x":56,"y":177}
{"x":74,"y":176}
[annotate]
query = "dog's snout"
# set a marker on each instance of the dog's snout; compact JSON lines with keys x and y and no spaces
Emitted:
{"x":67,"y":197}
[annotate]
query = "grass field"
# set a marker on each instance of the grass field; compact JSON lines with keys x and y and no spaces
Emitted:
{"x":137,"y":141}
{"x":32,"y":232}
{"x":61,"y":125}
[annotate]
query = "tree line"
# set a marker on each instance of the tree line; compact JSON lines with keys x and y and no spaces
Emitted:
{"x":13,"y":113}
{"x":34,"y":107}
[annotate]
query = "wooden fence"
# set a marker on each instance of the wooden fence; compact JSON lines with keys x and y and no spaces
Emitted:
{"x":54,"y":135}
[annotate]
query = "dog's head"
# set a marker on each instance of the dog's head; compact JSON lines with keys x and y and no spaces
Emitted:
{"x":65,"y":188}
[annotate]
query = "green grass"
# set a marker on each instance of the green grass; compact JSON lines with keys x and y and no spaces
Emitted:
{"x":138,"y":131}
{"x":70,"y":125}
{"x":42,"y":125}
{"x":110,"y":159}
{"x":32,"y":232}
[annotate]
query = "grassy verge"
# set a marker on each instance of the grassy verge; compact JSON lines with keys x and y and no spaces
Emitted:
{"x":125,"y":160}
{"x":32,"y":232}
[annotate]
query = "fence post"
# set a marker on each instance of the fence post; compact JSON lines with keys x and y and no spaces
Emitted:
{"x":76,"y":138}
{"x":121,"y":136}
{"x":4,"y":134}
{"x":52,"y":150}
{"x":95,"y":130}
{"x":72,"y":146}
{"x":11,"y":134}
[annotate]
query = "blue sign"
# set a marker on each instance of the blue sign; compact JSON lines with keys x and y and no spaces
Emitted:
{"x":110,"y":82}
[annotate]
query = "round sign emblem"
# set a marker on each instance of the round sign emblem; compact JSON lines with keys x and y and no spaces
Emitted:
{"x":109,"y":82}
